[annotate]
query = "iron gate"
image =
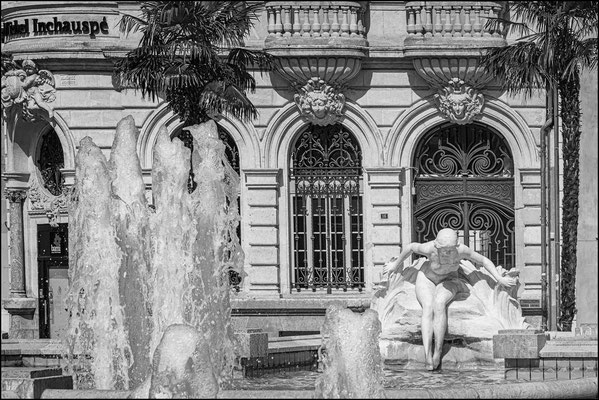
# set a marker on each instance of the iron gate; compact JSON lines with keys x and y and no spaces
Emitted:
{"x":326,"y":199}
{"x":464,"y":181}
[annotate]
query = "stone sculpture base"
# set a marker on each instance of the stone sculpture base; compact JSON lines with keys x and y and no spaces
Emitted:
{"x":457,"y":353}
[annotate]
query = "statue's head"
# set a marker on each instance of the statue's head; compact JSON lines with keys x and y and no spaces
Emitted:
{"x":29,"y":66}
{"x":459,"y":103}
{"x":447,"y":244}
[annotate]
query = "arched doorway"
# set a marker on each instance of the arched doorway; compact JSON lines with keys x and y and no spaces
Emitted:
{"x":464,"y":181}
{"x":52,"y":242}
{"x":326,"y":216}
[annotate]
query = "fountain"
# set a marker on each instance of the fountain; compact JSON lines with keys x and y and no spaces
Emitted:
{"x":145,"y":280}
{"x":352,"y":362}
{"x":149,"y":295}
{"x":473,"y":317}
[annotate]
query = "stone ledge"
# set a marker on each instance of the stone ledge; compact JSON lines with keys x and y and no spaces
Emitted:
{"x":569,"y":389}
{"x":29,"y":373}
{"x":568,"y":352}
{"x":20,"y":305}
{"x":518,"y":343}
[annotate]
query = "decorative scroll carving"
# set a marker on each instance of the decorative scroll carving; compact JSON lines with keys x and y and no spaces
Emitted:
{"x":320,"y":103}
{"x":42,"y":200}
{"x":432,"y":191}
{"x":15,"y":195}
{"x":459,"y":102}
{"x":464,"y":151}
{"x":464,"y":181}
{"x":27,"y":89}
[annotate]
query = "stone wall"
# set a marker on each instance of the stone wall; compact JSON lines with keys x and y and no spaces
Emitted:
{"x":586,"y":272}
{"x":388,"y":108}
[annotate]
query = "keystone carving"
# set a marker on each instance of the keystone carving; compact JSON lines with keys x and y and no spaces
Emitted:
{"x":320,"y":103}
{"x":27,"y":88}
{"x":459,"y":102}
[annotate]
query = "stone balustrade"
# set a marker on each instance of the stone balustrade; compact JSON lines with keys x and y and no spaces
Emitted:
{"x":444,"y":19}
{"x":315,"y":19}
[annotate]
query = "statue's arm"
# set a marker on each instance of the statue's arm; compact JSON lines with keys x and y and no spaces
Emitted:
{"x":395,"y":265}
{"x":487,"y":264}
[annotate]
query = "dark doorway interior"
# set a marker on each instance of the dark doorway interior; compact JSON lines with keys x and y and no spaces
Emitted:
{"x":53,"y":264}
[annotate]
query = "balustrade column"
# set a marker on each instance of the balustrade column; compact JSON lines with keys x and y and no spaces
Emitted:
{"x":306,"y":24}
{"x":467,"y":25}
{"x":428,"y":21}
{"x":418,"y":22}
{"x":353,"y":22}
{"x":335,"y":25}
{"x":345,"y":22}
{"x":287,"y":21}
{"x":271,"y":22}
{"x":457,"y":22}
{"x":17,"y":247}
{"x":316,"y":22}
{"x":486,"y":12}
{"x":296,"y":22}
{"x":476,"y":27}
{"x":438,"y":24}
{"x":411,"y":25}
{"x":326,"y":26}
{"x":278,"y":24}
{"x":447,"y":26}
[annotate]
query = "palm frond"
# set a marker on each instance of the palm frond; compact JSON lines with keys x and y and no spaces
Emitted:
{"x":191,"y":53}
{"x":517,"y":66}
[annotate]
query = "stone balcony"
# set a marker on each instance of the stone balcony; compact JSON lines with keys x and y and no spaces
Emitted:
{"x":308,"y":28}
{"x":450,"y":28}
{"x":316,"y":39}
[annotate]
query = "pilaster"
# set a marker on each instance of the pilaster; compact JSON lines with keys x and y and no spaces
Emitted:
{"x":21,"y":309}
{"x":385,"y":185}
{"x":262,"y":216}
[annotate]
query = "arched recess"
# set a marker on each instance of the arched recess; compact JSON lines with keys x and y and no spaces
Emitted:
{"x":423,"y":116}
{"x":283,"y":128}
{"x":27,"y":136}
{"x":243,"y":134}
{"x":278,"y":140}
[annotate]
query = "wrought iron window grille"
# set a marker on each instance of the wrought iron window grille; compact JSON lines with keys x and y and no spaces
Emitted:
{"x":326,"y":174}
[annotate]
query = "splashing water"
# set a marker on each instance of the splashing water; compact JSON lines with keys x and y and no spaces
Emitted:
{"x":142,"y":271}
{"x":97,"y":345}
{"x":130,"y":215}
{"x":352,"y":365}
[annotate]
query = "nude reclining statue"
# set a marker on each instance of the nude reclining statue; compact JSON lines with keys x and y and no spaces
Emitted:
{"x":446,"y":275}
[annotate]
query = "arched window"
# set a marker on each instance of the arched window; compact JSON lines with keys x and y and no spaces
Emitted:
{"x":464,"y":181}
{"x":326,"y":197}
{"x":50,"y":160}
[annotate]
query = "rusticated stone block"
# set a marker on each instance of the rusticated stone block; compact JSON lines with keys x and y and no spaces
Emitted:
{"x":252,"y":343}
{"x":518,"y":343}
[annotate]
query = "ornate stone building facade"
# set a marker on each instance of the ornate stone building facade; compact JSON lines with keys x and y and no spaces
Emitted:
{"x":378,"y":129}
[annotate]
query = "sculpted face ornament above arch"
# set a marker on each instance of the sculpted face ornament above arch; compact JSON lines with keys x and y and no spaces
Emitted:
{"x":459,"y":102}
{"x":28,"y":88}
{"x":320,"y":103}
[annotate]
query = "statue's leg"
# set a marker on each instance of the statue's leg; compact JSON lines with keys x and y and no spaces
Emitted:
{"x":444,"y":293}
{"x":425,"y":290}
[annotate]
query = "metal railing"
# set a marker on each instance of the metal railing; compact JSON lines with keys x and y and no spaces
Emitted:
{"x":551,"y":368}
